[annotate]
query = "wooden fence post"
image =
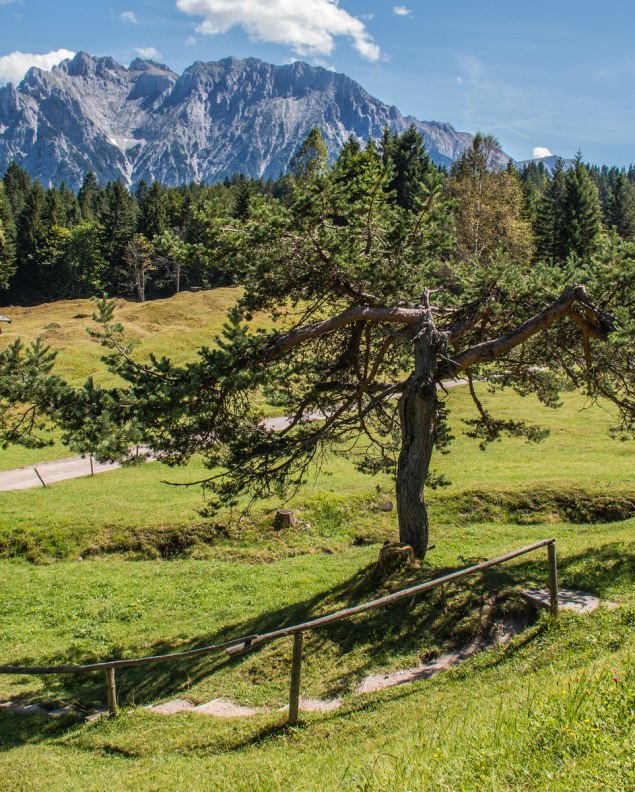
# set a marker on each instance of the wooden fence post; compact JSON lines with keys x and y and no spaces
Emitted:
{"x":553,"y":577}
{"x":111,"y":691}
{"x":294,"y":691}
{"x":37,"y":473}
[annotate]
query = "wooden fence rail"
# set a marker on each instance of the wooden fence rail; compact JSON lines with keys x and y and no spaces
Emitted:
{"x":247,"y":643}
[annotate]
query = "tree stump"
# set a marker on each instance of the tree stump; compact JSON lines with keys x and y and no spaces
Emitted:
{"x":284,"y":519}
{"x":393,"y":555}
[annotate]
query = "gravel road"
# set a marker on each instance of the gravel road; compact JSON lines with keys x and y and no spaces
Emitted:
{"x":78,"y":467}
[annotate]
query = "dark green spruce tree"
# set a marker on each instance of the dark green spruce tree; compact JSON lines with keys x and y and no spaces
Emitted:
{"x":7,"y":243}
{"x":85,"y":261}
{"x":583,"y":212}
{"x":90,"y":197}
{"x":242,"y":199}
{"x":534,"y":179}
{"x":550,"y":229}
{"x":621,"y":207}
{"x":119,"y":221}
{"x":153,"y":214}
{"x":17,"y":184}
{"x":569,"y":216}
{"x":414,"y":177}
{"x":31,"y":245}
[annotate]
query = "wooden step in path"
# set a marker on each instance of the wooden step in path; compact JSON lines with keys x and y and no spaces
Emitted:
{"x":221,"y":708}
{"x":225,"y":708}
{"x":568,"y":599}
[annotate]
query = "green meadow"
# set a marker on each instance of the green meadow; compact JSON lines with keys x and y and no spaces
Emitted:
{"x":123,"y":564}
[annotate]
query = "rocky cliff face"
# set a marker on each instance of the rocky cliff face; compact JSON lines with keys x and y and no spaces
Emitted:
{"x":216,"y":119}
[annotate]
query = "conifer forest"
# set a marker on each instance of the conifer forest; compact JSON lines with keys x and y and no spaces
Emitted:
{"x":154,"y":241}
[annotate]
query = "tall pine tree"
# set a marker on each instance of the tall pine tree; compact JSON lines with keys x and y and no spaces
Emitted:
{"x":534,"y":179}
{"x":7,"y":244}
{"x":85,"y":260}
{"x":31,"y":238}
{"x":415,"y":177}
{"x":583,"y":212}
{"x":550,"y":229}
{"x":153,"y":211}
{"x":17,"y":184}
{"x":90,"y":197}
{"x":119,"y":220}
{"x":621,"y":207}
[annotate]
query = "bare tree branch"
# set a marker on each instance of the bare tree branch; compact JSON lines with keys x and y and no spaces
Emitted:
{"x":562,"y":307}
{"x":357,"y":313}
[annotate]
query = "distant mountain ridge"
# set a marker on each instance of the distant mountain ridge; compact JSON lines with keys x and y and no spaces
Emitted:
{"x":145,"y":122}
{"x":549,"y":162}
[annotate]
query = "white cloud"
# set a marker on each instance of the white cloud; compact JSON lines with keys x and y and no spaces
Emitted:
{"x":402,"y":11}
{"x":6,"y":2}
{"x":540,"y":151}
{"x":16,"y":64}
{"x":149,"y":53}
{"x":128,"y":16}
{"x":309,"y":27}
{"x":190,"y":41}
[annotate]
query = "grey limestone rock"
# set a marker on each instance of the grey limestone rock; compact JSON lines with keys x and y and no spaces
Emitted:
{"x":214,"y":120}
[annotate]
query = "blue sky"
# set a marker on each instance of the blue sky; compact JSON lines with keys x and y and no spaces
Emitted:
{"x":558,"y":75}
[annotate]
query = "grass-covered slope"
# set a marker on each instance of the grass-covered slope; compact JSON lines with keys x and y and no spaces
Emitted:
{"x":175,"y":327}
{"x":553,"y":710}
{"x":138,"y":571}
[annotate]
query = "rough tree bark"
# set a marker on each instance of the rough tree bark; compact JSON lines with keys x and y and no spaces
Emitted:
{"x":418,"y":412}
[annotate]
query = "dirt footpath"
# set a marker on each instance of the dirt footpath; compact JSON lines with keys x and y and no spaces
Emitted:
{"x":77,"y":467}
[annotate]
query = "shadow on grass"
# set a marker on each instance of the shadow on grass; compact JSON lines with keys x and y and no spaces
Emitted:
{"x":17,"y":729}
{"x":438,"y":620}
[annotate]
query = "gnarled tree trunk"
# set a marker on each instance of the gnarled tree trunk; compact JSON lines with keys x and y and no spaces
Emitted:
{"x":418,"y":410}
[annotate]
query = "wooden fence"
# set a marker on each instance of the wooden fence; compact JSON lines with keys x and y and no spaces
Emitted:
{"x":247,"y":643}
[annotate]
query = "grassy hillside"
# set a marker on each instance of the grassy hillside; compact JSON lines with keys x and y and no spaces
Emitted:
{"x":553,"y":710}
{"x":139,"y":571}
{"x":175,"y":327}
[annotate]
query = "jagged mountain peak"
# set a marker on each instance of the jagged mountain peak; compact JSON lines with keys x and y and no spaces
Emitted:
{"x":148,"y":65}
{"x":215,"y":119}
{"x":84,"y":65}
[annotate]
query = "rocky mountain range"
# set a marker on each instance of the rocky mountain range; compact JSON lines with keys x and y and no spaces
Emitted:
{"x":549,"y":162}
{"x":145,"y":122}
